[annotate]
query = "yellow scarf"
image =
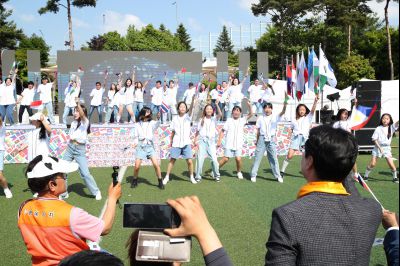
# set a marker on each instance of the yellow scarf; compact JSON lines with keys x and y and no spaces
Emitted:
{"x":324,"y":187}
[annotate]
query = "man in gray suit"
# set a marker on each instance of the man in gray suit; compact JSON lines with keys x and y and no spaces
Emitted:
{"x":326,"y":225}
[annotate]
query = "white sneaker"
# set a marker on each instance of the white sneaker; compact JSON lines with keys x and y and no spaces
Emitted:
{"x":193,"y":180}
{"x":280,"y":179}
{"x":217,"y":178}
{"x":253,"y":179}
{"x":240,"y":175}
{"x":166,"y":180}
{"x":8,"y":193}
{"x":35,"y":195}
{"x":98,"y":196}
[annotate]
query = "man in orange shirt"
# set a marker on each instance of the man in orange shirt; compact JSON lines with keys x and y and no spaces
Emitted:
{"x":51,"y":228}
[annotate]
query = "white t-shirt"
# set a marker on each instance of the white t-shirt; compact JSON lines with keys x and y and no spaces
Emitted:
{"x":45,"y":92}
{"x":216,"y":94}
{"x":70,"y":94}
{"x":234,"y":129}
{"x":224,"y":97}
{"x":188,"y":95}
{"x":345,"y":125}
{"x":79,"y":134}
{"x":37,"y":146}
{"x":2,"y":137}
{"x":144,"y":131}
{"x":267,"y":125}
{"x":129,"y":97}
{"x":255,"y":93}
{"x":157,"y":95}
{"x":110,"y":96}
{"x":97,"y":95}
{"x":7,"y":94}
{"x":203,"y":96}
{"x":119,"y":98}
{"x":171,"y":95}
{"x":209,"y":128}
{"x":266,"y":95}
{"x":302,"y":125}
{"x":182,"y":128}
{"x":138,"y":94}
{"x":235,"y":93}
{"x":380,"y":134}
{"x":27,"y":96}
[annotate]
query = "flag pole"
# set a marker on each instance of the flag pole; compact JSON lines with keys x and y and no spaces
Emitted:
{"x":369,"y":190}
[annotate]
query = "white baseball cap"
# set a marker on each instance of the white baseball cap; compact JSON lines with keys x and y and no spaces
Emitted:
{"x":50,"y":166}
{"x":37,"y":116}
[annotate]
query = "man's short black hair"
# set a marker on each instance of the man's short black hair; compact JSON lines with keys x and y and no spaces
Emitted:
{"x":334,"y":152}
{"x":265,"y":105}
{"x":91,"y":258}
{"x":31,"y":83}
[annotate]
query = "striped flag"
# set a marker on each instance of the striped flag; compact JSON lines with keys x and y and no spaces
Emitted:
{"x":361,"y":115}
{"x":37,"y":105}
{"x":289,"y":79}
{"x":362,"y":182}
{"x":165,"y":108}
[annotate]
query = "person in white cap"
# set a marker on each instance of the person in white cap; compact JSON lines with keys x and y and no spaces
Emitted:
{"x":51,"y":228}
{"x":3,"y":181}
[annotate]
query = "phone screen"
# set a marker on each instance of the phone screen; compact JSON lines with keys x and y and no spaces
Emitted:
{"x":150,"y":216}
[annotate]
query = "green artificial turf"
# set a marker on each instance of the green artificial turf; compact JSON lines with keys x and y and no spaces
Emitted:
{"x":239,"y":210}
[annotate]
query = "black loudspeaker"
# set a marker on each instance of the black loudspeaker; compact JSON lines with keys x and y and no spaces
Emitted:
{"x":369,"y":93}
{"x":325,"y":117}
{"x":364,"y":137}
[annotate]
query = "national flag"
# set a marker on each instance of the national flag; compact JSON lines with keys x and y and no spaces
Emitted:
{"x":37,"y":105}
{"x":361,"y":115}
{"x":183,"y":70}
{"x":302,"y":77}
{"x":294,"y":74}
{"x":289,"y":79}
{"x":310,"y":67}
{"x":326,"y":73}
{"x":165,"y":107}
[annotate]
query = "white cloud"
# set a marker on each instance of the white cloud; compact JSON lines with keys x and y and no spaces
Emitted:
{"x":194,"y":25}
{"x":78,"y":23}
{"x":115,"y":21}
{"x":227,"y":23}
{"x":27,"y":17}
{"x":246,"y":4}
{"x":393,"y":11}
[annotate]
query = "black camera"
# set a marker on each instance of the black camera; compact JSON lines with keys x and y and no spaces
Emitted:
{"x":114,"y":175}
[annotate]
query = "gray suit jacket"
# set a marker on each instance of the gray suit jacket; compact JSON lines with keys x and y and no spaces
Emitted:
{"x":323,"y":229}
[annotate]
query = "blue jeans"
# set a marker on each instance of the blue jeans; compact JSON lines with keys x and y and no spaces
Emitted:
{"x":77,"y":152}
{"x":67,"y":110}
{"x":99,"y":111}
{"x":155,"y":109}
{"x":49,"y":108}
{"x":207,"y":147}
{"x":108,"y":114}
{"x":257,"y":107}
{"x":7,"y":110}
{"x":231,"y":105}
{"x":137,"y":107}
{"x":270,"y":147}
{"x":115,"y":113}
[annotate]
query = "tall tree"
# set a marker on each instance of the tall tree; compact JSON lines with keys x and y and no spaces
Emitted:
{"x":162,"y":27}
{"x":224,"y":43}
{"x":96,"y":43}
{"x":54,"y":7}
{"x":184,"y":37}
{"x":9,"y":33}
{"x":389,"y":40}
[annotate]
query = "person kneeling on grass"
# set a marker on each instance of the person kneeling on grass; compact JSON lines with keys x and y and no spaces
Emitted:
{"x":51,"y":228}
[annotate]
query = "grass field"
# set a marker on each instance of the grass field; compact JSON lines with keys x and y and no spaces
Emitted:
{"x":239,"y":210}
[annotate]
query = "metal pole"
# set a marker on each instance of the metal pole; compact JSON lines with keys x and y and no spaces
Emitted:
{"x":209,"y":44}
{"x":241,"y":44}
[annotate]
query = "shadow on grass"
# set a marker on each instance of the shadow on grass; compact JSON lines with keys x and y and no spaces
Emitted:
{"x":78,"y":188}
{"x":143,"y":181}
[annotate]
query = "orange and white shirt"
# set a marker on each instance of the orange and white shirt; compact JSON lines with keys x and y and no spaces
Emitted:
{"x":53,"y":229}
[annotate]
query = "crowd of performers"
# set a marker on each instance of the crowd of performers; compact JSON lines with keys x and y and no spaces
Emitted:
{"x":200,"y":107}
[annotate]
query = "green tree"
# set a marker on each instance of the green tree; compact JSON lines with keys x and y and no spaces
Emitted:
{"x":54,"y":7}
{"x":114,"y":42}
{"x":162,"y":27}
{"x":184,"y":37}
{"x":354,"y":68}
{"x":224,"y":43}
{"x":389,"y":40}
{"x":96,"y":43}
{"x":9,"y":33}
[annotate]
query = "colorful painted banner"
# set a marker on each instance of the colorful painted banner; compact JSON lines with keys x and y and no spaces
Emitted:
{"x":111,"y":145}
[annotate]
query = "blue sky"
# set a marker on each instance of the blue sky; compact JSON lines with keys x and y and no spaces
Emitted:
{"x":199,"y":17}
